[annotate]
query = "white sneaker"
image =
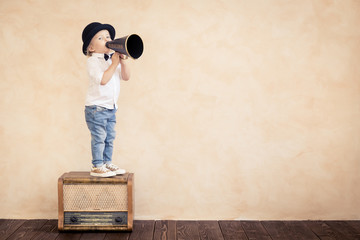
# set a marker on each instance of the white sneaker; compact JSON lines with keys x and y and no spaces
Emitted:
{"x":102,"y":171}
{"x":115,"y":169}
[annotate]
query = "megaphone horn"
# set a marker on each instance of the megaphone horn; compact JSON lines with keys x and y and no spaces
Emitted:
{"x":131,"y":46}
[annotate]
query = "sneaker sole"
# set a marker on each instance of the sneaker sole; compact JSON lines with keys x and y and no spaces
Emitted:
{"x":111,"y":174}
{"x":121,"y":172}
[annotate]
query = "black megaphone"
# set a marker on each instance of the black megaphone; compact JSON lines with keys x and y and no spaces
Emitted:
{"x":131,"y":46}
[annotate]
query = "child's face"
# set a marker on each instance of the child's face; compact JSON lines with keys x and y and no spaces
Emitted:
{"x":97,"y":44}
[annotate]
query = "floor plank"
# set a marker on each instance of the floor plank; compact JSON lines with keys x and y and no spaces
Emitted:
{"x":143,"y":230}
{"x":48,"y":232}
{"x":278,"y":230}
{"x":343,"y":230}
{"x":355,"y":225}
{"x":93,"y":236}
{"x":232,"y":230}
{"x":9,"y":226}
{"x":255,"y":230}
{"x":165,"y":230}
{"x":28,"y":230}
{"x":321,"y":229}
{"x":187,"y":230}
{"x":69,"y":236}
{"x":299,"y":230}
{"x":117,"y":236}
{"x":210,"y":230}
{"x":294,"y":230}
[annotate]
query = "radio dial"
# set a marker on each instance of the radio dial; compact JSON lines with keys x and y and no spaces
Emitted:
{"x":73,"y":219}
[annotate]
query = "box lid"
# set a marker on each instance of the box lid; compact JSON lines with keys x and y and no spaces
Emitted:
{"x":84,"y":177}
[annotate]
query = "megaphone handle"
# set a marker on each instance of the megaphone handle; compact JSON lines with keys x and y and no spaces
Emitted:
{"x":125,"y":57}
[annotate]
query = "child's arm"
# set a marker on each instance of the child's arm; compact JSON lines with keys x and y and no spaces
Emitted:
{"x":125,"y":70}
{"x":115,"y":60}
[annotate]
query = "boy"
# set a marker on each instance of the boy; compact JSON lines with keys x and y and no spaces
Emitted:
{"x":105,"y":72}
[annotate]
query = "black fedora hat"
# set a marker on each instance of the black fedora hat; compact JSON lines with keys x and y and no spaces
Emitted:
{"x":91,"y":30}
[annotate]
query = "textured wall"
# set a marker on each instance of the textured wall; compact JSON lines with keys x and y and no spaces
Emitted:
{"x":237,"y":109}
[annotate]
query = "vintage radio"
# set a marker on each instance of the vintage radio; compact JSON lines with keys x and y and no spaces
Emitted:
{"x":94,"y":203}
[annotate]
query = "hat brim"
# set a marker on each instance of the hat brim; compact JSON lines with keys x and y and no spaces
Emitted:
{"x":94,"y":31}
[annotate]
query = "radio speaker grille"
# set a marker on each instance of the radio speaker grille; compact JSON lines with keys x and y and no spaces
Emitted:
{"x":95,"y":197}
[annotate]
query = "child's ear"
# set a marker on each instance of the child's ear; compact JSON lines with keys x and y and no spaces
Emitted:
{"x":91,"y":48}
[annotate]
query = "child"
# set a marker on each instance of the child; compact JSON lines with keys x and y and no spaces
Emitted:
{"x":105,"y":72}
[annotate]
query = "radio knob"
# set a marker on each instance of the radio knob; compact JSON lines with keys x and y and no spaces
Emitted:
{"x":118,"y":219}
{"x":73,"y":219}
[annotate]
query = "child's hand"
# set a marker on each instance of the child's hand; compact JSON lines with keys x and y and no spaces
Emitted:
{"x":115,"y":59}
{"x":123,"y":58}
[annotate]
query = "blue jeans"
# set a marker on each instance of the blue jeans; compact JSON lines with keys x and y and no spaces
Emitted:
{"x":101,"y":123}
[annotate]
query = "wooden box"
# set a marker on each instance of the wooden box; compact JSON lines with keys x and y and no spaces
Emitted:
{"x":94,"y":203}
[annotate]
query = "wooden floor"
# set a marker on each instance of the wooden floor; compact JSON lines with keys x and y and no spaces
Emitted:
{"x":188,"y":230}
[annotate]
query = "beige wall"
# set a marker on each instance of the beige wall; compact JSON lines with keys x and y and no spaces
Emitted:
{"x":237,"y":109}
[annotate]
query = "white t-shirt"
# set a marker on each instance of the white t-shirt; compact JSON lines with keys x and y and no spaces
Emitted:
{"x":97,"y":94}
